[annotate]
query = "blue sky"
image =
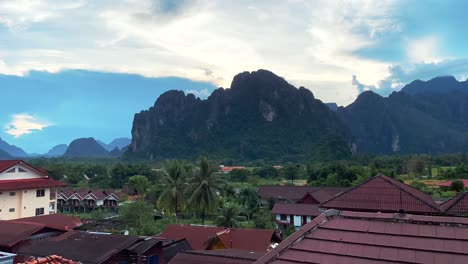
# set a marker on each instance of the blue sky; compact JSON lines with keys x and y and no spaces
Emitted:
{"x":75,"y":68}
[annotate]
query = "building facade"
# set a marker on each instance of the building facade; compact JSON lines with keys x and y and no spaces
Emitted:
{"x":25,"y":191}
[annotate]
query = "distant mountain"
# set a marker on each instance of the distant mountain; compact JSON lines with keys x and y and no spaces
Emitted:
{"x":423,"y":121}
{"x":260,"y":117}
{"x":119,"y":143}
{"x":4,"y":155}
{"x":85,"y":148}
{"x":442,"y":84}
{"x":12,"y":150}
{"x":332,"y":106}
{"x":57,"y":151}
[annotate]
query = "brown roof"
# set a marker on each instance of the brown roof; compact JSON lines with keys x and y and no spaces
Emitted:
{"x":294,"y":192}
{"x":14,"y":232}
{"x":296,"y":209}
{"x":359,"y":237}
{"x":228,"y":256}
{"x":7,"y":185}
{"x":80,"y":246}
{"x":59,"y":221}
{"x":458,"y":205}
{"x":383,"y":194}
{"x":240,"y":238}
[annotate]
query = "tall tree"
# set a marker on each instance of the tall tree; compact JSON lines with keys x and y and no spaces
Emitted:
{"x":204,"y":187}
{"x":139,"y":184}
{"x":249,"y":201}
{"x":174,"y":182}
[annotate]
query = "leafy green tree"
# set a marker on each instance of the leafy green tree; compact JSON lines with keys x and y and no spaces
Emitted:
{"x":139,"y":183}
{"x":240,"y":175}
{"x":174,"y":182}
{"x":457,"y":186}
{"x":139,"y":217}
{"x":229,"y":216}
{"x":204,"y":187}
{"x":263,"y":219}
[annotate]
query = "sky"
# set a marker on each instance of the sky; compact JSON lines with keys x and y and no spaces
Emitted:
{"x":82,"y":68}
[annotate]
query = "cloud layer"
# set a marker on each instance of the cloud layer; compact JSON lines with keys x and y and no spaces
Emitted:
{"x":319,"y":44}
{"x":23,"y":124}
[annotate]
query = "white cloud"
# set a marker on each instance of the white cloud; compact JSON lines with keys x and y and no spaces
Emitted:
{"x":203,"y":93}
{"x":424,"y":50}
{"x":23,"y":124}
{"x":312,"y":41}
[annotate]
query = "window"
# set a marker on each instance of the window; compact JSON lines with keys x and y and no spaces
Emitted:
{"x":40,"y":193}
{"x":12,"y":193}
{"x":52,"y":206}
{"x":22,"y":170}
{"x":40,"y":211}
{"x":12,"y":210}
{"x":11,"y":171}
{"x":283,"y":217}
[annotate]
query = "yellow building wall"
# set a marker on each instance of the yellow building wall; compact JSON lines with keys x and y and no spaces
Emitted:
{"x":25,"y":203}
{"x":7,"y":202}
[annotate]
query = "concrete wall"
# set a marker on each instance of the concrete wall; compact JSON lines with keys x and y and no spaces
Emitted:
{"x":7,"y":202}
{"x":25,"y":203}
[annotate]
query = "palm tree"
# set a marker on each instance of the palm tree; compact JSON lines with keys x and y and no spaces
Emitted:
{"x":204,"y":188}
{"x":172,"y":198}
{"x":229,"y":216}
{"x":249,"y":201}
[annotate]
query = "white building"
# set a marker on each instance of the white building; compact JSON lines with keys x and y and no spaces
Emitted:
{"x":25,"y":191}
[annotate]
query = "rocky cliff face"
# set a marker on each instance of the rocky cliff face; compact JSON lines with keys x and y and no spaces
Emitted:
{"x":416,"y":120}
{"x":260,"y":117}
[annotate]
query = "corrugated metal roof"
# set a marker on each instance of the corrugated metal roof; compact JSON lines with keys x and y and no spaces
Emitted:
{"x":60,"y":221}
{"x":355,"y":237}
{"x":7,"y":185}
{"x":383,"y":194}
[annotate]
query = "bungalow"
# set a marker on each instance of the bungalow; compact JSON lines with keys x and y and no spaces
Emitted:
{"x":82,"y":200}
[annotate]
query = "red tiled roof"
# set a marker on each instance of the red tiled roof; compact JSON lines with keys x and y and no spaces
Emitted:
{"x":50,"y":260}
{"x":383,"y":194}
{"x":230,"y":168}
{"x":222,"y":256}
{"x":458,"y":205}
{"x":296,"y":209}
{"x":357,"y":237}
{"x":14,"y":231}
{"x":6,"y":164}
{"x":240,"y":238}
{"x":448,"y":183}
{"x":294,"y":192}
{"x":59,"y":221}
{"x":7,"y":185}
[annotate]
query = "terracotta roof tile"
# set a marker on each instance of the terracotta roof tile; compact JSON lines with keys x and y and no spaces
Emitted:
{"x":383,"y":194}
{"x":54,"y":259}
{"x":61,"y":221}
{"x":6,"y":185}
{"x":458,"y":205}
{"x":14,"y":231}
{"x":294,"y":192}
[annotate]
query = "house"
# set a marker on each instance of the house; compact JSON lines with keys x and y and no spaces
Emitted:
{"x":14,"y":234}
{"x":6,"y":258}
{"x":447,"y":184}
{"x":294,"y":215}
{"x":58,"y":221}
{"x":383,"y":194}
{"x":458,"y":205}
{"x":97,"y":248}
{"x":304,"y":210}
{"x":69,"y":200}
{"x":292,"y":194}
{"x":365,"y":238}
{"x":25,"y":190}
{"x":222,"y":256}
{"x":212,"y":237}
